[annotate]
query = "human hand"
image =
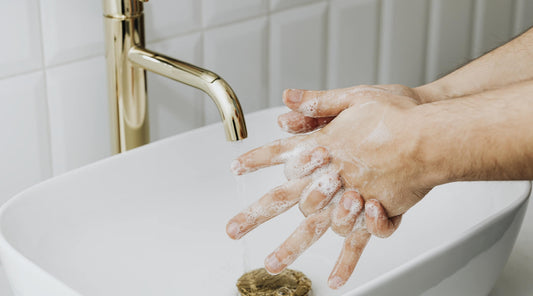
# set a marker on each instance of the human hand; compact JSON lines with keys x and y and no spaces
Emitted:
{"x":302,"y":119}
{"x":371,"y":146}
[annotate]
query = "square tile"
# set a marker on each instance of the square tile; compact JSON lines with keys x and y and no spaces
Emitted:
{"x":21,"y":38}
{"x":353,"y":43}
{"x":79,"y":114}
{"x":173,"y":106}
{"x":297,"y":50}
{"x":238,"y":53}
{"x":71,"y":30}
{"x":403,"y":42}
{"x":25,"y":151}
{"x":449,"y":36}
{"x":218,"y":12}
{"x":165,"y":19}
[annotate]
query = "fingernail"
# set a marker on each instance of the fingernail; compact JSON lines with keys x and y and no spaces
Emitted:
{"x":236,"y":167}
{"x":347,"y":203}
{"x":294,"y":95}
{"x":283,"y":122}
{"x":371,"y":210}
{"x":233,"y":230}
{"x":272,"y":263}
{"x":335,"y":282}
{"x":319,"y":155}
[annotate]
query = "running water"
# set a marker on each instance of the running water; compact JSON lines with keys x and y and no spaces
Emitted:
{"x":240,"y":183}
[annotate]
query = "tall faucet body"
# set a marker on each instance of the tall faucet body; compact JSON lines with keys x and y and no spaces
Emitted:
{"x":127,"y":62}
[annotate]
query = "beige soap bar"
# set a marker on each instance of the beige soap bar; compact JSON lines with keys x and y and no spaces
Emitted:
{"x":260,"y":283}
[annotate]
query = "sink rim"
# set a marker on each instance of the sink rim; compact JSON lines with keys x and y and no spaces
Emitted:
{"x":419,"y":259}
{"x":465,"y":235}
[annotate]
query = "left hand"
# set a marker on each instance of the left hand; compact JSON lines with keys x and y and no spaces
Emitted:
{"x":302,"y":120}
{"x":370,"y":148}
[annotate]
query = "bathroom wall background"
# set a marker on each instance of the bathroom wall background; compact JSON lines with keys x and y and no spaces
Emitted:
{"x":53,"y":103}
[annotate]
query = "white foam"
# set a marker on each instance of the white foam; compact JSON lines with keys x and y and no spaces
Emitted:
{"x":309,"y":108}
{"x":326,"y":181}
{"x":360,"y":222}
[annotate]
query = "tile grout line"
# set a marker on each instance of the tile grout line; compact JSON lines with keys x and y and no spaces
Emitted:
{"x":203,"y":97}
{"x":267,"y":57}
{"x":516,"y":18}
{"x":46,"y":97}
{"x":326,"y":45}
{"x":381,"y":43}
{"x":475,"y":27}
{"x":377,"y":58}
{"x":427,"y":28}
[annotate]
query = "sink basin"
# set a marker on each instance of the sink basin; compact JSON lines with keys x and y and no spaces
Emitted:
{"x":152,"y":222}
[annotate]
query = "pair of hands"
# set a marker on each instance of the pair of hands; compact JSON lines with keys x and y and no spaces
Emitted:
{"x":356,"y":174}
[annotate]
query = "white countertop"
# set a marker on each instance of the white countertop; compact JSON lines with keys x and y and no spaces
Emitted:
{"x":516,"y":278}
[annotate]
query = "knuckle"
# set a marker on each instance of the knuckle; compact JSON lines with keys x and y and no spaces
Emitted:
{"x":280,"y":194}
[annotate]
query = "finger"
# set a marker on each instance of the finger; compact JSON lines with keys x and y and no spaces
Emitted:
{"x":264,"y":156}
{"x":317,"y":103}
{"x":353,"y":247}
{"x":306,"y":163}
{"x":308,"y":232}
{"x":378,"y":222}
{"x":326,"y":103}
{"x":346,"y":212}
{"x":319,"y":193}
{"x":296,"y":123}
{"x":275,"y":202}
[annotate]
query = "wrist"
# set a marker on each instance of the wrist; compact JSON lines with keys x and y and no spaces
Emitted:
{"x":433,"y":145}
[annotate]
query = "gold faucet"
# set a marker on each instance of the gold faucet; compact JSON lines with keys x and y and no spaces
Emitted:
{"x":127,"y":62}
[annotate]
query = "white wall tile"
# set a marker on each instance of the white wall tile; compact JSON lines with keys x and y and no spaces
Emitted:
{"x":79,"y":114}
{"x":283,"y":4}
{"x":175,"y":107}
{"x":297,"y":50}
{"x":218,"y":12}
{"x":71,"y":30}
{"x":403,"y":42}
{"x":168,"y":18}
{"x":523,"y":16}
{"x":449,"y":36}
{"x":353,"y":42}
{"x":25,"y":152}
{"x":21,"y":38}
{"x":493,"y":25}
{"x":238,"y":53}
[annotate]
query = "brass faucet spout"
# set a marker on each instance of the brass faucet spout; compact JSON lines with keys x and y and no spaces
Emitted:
{"x":220,"y":92}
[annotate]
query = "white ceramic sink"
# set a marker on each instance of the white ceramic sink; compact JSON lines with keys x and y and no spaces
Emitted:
{"x":152,"y":222}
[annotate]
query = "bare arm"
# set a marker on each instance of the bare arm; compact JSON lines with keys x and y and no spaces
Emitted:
{"x":485,"y":136}
{"x":508,"y":64}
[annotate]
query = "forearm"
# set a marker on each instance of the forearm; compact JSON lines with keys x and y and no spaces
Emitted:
{"x":486,"y":136}
{"x":511,"y":63}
